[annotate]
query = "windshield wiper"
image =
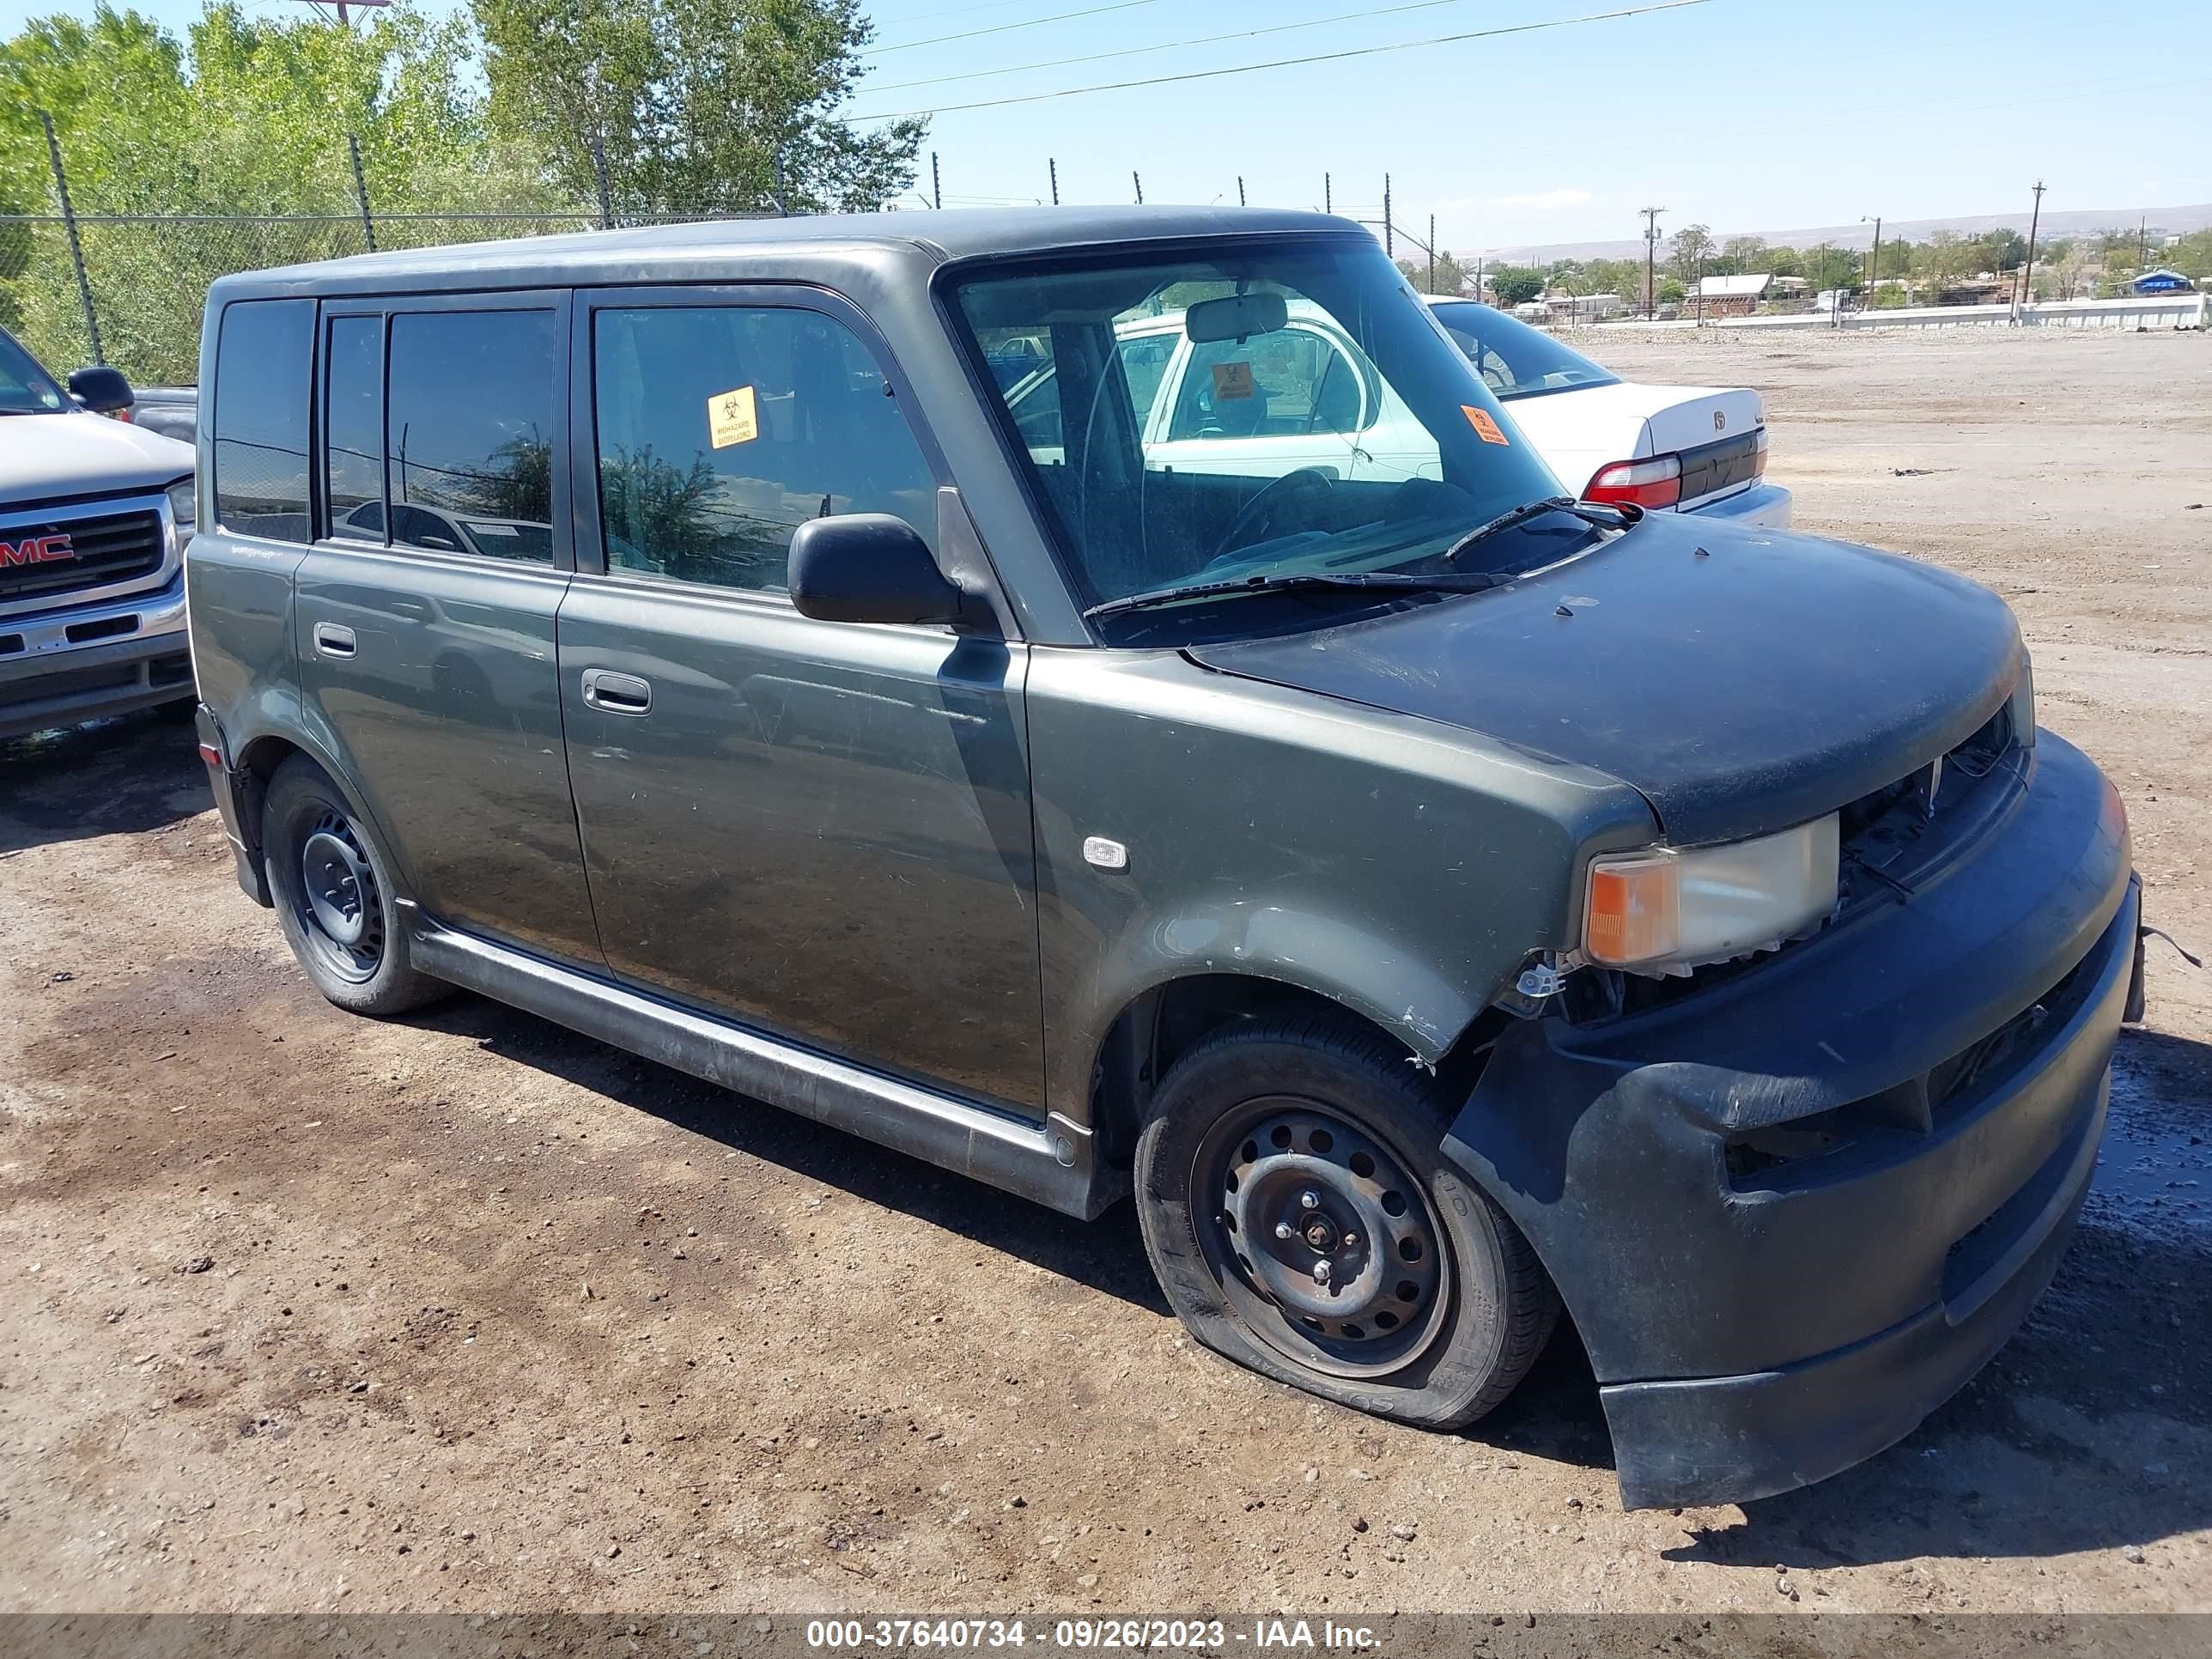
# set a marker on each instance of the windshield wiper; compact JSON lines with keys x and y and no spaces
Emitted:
{"x":1450,"y":582}
{"x":1606,"y":517}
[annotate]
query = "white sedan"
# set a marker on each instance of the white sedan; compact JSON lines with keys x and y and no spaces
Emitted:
{"x":1691,"y":449}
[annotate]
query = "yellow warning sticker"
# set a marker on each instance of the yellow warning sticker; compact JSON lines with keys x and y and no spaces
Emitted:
{"x":1485,"y":427}
{"x":733,"y":417}
{"x":1232,"y":381}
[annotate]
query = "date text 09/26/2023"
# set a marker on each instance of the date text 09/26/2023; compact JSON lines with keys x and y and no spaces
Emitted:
{"x":1153,"y":1635}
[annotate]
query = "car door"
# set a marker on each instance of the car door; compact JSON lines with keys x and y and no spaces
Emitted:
{"x":1262,"y":408}
{"x":819,"y":829}
{"x":426,"y":649}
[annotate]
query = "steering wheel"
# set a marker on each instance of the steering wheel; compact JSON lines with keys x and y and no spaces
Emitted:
{"x":1264,"y":506}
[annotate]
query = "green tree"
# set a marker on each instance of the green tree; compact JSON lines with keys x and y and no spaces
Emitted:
{"x":1671,"y":291}
{"x":1824,"y":265}
{"x":1451,"y":276}
{"x":244,"y":115}
{"x":1890,"y":296}
{"x":1516,"y":285}
{"x":1740,"y":254}
{"x":1692,"y":251}
{"x":2002,"y":249}
{"x":697,"y":105}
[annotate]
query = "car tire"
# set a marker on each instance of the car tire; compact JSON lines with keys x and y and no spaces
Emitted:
{"x":1434,"y":1305}
{"x":347,"y":934}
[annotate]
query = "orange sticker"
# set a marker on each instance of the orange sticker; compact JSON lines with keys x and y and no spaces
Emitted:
{"x":1232,"y":381}
{"x":1485,"y":428}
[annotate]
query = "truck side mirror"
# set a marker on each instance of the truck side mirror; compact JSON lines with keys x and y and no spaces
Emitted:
{"x":869,"y":567}
{"x":102,"y":390}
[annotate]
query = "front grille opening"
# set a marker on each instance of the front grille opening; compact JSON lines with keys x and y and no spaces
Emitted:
{"x":108,"y":628}
{"x":174,"y":670}
{"x":106,"y":548}
{"x":10,"y":644}
{"x":68,"y":682}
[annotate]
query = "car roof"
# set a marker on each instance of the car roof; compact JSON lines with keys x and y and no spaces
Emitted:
{"x":769,"y":249}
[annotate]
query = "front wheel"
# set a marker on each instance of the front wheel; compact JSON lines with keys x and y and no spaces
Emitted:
{"x":1302,"y":1221}
{"x":334,"y":899}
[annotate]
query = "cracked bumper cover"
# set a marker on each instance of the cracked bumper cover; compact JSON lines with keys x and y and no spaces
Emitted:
{"x":1758,"y":1329}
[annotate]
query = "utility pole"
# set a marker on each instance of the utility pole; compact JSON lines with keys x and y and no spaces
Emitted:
{"x":1053,"y":168}
{"x":1139,"y":184}
{"x":1240,"y":190}
{"x":1327,"y":202}
{"x":1874,"y":256}
{"x":1651,"y":261}
{"x":936,"y":183}
{"x":2142,"y":242}
{"x":360,"y":192}
{"x":2028,"y":268}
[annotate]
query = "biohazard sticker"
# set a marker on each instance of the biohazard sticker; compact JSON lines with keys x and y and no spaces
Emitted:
{"x":1485,"y":428}
{"x":732,"y":418}
{"x":1233,"y":382}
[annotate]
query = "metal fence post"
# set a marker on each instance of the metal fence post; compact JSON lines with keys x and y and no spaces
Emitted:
{"x":361,"y":189}
{"x":783,"y":191}
{"x":599,"y":173}
{"x":1389,"y":244}
{"x":1139,"y":184}
{"x":936,"y":183}
{"x":1240,"y":190}
{"x":1053,"y":168}
{"x":76,"y":247}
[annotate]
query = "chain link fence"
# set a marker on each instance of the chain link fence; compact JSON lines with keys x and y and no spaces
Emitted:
{"x":130,"y":290}
{"x":80,"y":285}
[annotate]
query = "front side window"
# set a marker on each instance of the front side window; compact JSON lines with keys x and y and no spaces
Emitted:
{"x":1515,"y":360}
{"x":261,"y":374}
{"x":469,"y":424}
{"x":723,"y":429}
{"x":25,"y":388}
{"x":1316,"y":421}
{"x":1282,"y":385}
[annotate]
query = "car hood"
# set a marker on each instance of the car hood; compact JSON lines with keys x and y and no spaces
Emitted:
{"x":1742,"y":680}
{"x":45,"y":457}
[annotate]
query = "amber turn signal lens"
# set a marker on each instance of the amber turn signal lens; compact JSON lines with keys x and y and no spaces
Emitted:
{"x":1634,"y":912}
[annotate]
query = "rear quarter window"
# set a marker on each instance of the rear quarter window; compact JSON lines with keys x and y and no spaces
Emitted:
{"x":261,"y":377}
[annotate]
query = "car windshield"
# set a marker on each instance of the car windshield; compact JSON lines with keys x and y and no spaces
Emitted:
{"x":1251,"y":410}
{"x":1516,"y":360}
{"x":25,"y":388}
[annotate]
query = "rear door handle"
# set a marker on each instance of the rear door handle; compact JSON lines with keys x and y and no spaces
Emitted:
{"x":616,"y":694}
{"x":333,"y":641}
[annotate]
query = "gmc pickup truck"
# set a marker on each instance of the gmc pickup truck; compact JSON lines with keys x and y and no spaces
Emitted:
{"x":94,"y":515}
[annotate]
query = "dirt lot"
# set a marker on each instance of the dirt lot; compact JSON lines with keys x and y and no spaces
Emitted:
{"x":497,"y":1317}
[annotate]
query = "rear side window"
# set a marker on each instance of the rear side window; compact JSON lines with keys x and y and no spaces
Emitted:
{"x":352,"y":418}
{"x":723,"y":429}
{"x":261,"y":376}
{"x":468,"y":424}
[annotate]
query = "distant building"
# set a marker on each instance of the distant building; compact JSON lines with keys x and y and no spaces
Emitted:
{"x":1732,"y":297}
{"x":2162,"y":282}
{"x":1583,"y":307}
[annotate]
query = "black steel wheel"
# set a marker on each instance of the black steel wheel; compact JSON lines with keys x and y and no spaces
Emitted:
{"x":1302,"y":1220}
{"x":330,"y":883}
{"x":1325,"y":1244}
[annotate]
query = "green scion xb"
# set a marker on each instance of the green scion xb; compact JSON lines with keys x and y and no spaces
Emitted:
{"x":1106,"y":701}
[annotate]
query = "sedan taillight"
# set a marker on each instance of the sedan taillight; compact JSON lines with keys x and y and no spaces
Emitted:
{"x":1655,"y":483}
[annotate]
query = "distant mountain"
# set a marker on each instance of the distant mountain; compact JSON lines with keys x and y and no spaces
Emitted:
{"x":2174,"y":220}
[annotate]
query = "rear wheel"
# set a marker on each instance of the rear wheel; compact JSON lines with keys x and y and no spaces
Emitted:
{"x":1304,"y":1222}
{"x":334,"y":896}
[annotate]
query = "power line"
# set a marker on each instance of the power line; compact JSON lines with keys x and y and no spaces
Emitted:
{"x":1169,"y":45}
{"x":1289,"y":62}
{"x":1008,"y":29}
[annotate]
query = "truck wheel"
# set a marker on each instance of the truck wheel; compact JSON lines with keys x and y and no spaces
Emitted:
{"x":1304,"y":1222}
{"x":334,"y":895}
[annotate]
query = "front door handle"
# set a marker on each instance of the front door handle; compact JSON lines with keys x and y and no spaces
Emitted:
{"x":333,"y":641}
{"x":616,"y":694}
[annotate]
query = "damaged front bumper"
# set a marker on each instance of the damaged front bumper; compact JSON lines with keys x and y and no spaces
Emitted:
{"x":1794,"y":1214}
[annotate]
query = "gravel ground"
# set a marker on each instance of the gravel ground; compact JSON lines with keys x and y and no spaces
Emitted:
{"x":301,"y":1312}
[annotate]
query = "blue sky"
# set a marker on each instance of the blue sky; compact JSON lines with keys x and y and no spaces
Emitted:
{"x":1743,"y":114}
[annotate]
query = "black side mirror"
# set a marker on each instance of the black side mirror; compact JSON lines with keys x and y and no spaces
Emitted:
{"x":103,"y":391}
{"x":869,"y":567}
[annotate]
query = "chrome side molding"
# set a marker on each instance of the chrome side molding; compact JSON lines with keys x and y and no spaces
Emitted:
{"x":1051,"y":1163}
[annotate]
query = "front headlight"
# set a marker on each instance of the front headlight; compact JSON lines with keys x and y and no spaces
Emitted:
{"x":184,"y":504}
{"x":1665,"y":910}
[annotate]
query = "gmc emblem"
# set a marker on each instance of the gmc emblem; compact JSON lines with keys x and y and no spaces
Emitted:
{"x":37,"y":550}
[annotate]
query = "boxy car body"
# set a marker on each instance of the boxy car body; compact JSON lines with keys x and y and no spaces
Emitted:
{"x":836,"y":736}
